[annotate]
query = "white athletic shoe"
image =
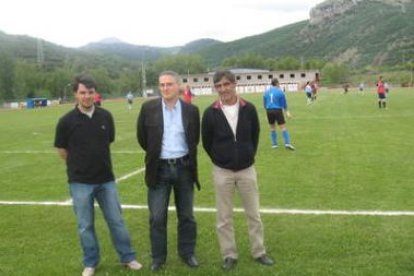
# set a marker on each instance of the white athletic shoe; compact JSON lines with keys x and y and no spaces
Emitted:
{"x":289,"y":147}
{"x":274,"y":146}
{"x":88,"y":271}
{"x":134,"y":265}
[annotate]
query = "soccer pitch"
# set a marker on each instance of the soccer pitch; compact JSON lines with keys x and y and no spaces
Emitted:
{"x":341,"y":204}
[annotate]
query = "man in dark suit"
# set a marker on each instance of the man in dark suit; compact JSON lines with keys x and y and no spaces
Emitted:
{"x":168,"y":129}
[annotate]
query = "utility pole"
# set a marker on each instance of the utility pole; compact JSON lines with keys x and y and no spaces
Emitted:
{"x":64,"y":99}
{"x":40,"y":53}
{"x":144,"y":80}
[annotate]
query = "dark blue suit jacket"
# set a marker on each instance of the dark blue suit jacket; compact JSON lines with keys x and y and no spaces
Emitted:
{"x":150,"y":130}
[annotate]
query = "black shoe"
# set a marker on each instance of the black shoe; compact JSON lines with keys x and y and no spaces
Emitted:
{"x":265,"y":260}
{"x":191,"y":261}
{"x":229,"y":263}
{"x":156,"y":266}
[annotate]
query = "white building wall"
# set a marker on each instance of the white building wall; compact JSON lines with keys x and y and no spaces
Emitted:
{"x":254,"y":81}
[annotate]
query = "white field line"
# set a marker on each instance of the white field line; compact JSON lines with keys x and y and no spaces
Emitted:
{"x":55,"y":152}
{"x":69,"y":201}
{"x":273,"y":211}
{"x":28,"y":152}
{"x":119,"y":179}
{"x":127,"y":151}
{"x":205,"y":209}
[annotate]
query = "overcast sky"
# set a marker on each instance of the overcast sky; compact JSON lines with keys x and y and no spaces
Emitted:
{"x":163,"y":23}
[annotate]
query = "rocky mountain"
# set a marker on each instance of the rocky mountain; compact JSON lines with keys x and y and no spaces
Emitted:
{"x":328,"y":10}
{"x":358,"y":32}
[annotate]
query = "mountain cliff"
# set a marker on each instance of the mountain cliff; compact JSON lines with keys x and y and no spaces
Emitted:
{"x":328,"y":10}
{"x":357,"y":32}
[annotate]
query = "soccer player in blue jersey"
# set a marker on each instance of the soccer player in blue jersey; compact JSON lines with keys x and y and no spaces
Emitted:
{"x":274,"y":102}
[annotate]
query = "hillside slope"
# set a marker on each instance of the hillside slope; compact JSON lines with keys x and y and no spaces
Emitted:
{"x":367,"y":32}
{"x":357,"y":32}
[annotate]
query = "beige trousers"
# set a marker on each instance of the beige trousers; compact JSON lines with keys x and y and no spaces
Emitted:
{"x":226,"y":182}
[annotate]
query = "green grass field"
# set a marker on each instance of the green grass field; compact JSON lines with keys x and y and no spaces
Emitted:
{"x":350,"y":156}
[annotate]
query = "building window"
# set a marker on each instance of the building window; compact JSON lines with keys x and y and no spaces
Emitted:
{"x":238,"y":78}
{"x":206,"y":79}
{"x":303,"y":75}
{"x":259,"y":77}
{"x":195,"y":80}
{"x":292,"y":76}
{"x":185,"y":80}
{"x":270,"y":77}
{"x":281,"y":76}
{"x":249,"y":77}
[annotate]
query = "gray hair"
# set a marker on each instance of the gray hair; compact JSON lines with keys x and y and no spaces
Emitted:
{"x":173,"y":74}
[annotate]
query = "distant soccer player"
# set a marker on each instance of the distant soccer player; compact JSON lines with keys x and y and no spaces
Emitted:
{"x":361,"y":87}
{"x":97,"y":99}
{"x":274,"y":102}
{"x":187,"y":94}
{"x":314,"y":86}
{"x":381,"y":93}
{"x":308,"y":92}
{"x":130,"y":99}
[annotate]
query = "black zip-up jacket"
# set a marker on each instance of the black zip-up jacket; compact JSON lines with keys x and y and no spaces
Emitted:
{"x":226,"y":150}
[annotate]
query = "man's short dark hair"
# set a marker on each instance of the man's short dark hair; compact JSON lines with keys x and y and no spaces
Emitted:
{"x":86,"y":80}
{"x":219,"y":75}
{"x":275,"y":82}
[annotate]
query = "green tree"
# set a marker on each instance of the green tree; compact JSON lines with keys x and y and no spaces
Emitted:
{"x":151,"y":76}
{"x":182,"y":64}
{"x":28,"y":79}
{"x":249,"y":60}
{"x":231,"y":62}
{"x":7,"y":76}
{"x":55,"y":83}
{"x":314,"y":63}
{"x":271,"y":64}
{"x":288,"y":63}
{"x":335,"y":73}
{"x":130,"y":80}
{"x":105,"y":85}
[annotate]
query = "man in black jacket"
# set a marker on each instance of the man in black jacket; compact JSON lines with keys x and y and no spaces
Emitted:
{"x":230,"y":133}
{"x":168,"y":129}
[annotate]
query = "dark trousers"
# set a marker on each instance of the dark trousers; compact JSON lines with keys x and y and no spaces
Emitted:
{"x":175,"y":177}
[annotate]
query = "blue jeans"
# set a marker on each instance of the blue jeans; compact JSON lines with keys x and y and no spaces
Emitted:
{"x":83,"y":196}
{"x":176,"y":177}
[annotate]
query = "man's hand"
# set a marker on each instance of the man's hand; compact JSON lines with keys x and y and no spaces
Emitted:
{"x":63,"y":153}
